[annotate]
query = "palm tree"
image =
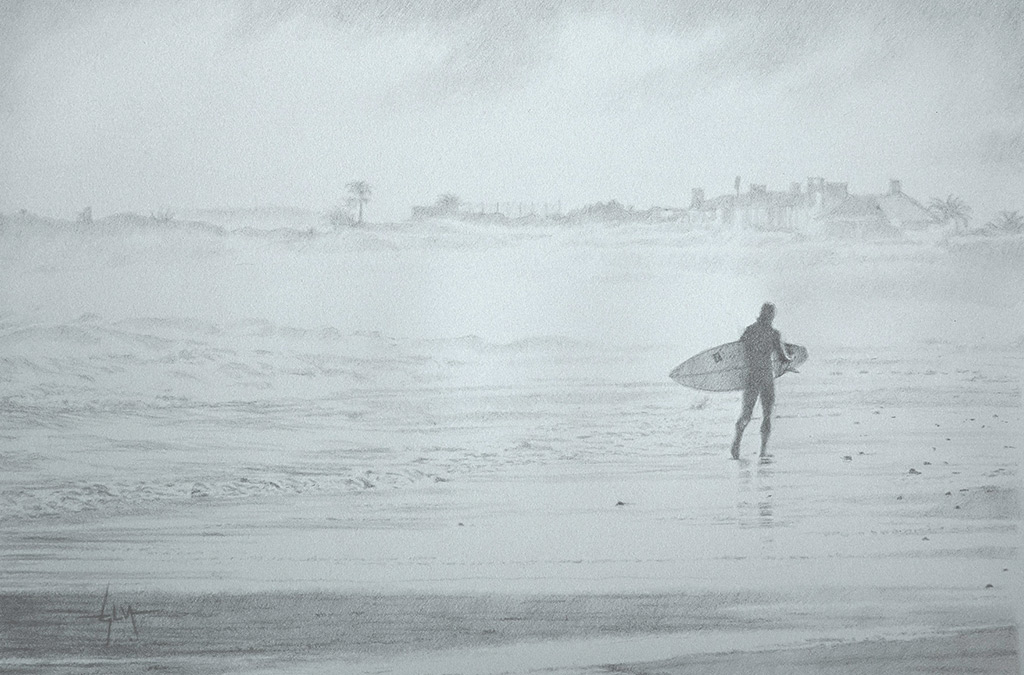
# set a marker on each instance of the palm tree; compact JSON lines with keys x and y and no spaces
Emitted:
{"x":1008,"y":222}
{"x":360,"y":191}
{"x":951,"y":210}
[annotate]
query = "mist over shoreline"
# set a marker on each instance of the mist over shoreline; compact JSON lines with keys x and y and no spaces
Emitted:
{"x":630,"y":284}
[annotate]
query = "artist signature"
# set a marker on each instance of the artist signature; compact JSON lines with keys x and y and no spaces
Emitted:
{"x":111,"y":612}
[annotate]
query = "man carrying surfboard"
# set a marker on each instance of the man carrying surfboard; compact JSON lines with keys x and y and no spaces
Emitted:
{"x":760,"y":341}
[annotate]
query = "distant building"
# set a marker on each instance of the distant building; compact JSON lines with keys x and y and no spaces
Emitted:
{"x":427,"y":212}
{"x":498,"y":212}
{"x":820,"y":207}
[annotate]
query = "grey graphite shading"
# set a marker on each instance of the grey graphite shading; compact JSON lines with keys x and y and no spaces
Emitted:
{"x":336,"y":336}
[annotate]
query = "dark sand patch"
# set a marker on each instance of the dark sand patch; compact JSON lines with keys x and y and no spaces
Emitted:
{"x":985,"y":651}
{"x":202,"y":633}
{"x":50,"y":632}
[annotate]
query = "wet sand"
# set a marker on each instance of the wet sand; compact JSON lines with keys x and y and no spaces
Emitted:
{"x":664,"y":633}
{"x":867,"y":539}
{"x":982,"y":651}
{"x":320,"y":500}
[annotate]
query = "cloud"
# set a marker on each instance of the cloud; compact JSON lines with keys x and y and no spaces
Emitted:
{"x":142,"y":105}
{"x":1003,"y":148}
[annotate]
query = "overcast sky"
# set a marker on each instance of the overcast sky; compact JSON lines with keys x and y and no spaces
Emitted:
{"x":151,"y":105}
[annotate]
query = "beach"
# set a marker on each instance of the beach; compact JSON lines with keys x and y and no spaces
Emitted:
{"x":454,"y":449}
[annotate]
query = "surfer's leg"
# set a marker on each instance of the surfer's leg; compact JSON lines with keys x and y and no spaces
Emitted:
{"x":767,"y":404}
{"x":749,"y":401}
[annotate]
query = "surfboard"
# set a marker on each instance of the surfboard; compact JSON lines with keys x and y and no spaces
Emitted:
{"x":724,"y":368}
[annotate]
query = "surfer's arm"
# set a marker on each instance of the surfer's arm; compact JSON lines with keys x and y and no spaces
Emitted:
{"x":780,"y":347}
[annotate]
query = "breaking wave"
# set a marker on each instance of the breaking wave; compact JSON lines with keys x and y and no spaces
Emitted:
{"x":128,"y":415}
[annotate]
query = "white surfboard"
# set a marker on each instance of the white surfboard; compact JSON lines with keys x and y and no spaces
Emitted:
{"x":724,"y":368}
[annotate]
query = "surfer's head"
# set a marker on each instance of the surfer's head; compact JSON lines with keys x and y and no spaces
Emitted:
{"x":767,"y":313}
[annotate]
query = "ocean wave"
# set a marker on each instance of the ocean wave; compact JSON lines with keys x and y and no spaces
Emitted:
{"x":125,"y":497}
{"x":154,"y":395}
{"x":339,"y":471}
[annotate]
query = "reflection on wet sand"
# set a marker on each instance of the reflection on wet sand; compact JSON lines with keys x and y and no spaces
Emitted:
{"x":755,"y":492}
{"x":765,"y":489}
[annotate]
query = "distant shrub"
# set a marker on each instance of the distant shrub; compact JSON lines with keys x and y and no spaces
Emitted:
{"x":163,"y":216}
{"x":1007,"y":222}
{"x":605,"y":211}
{"x":339,"y":218}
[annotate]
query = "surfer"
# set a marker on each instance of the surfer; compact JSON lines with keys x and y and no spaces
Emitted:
{"x":760,"y":341}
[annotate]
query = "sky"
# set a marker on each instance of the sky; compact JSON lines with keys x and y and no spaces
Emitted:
{"x":150,"y":106}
